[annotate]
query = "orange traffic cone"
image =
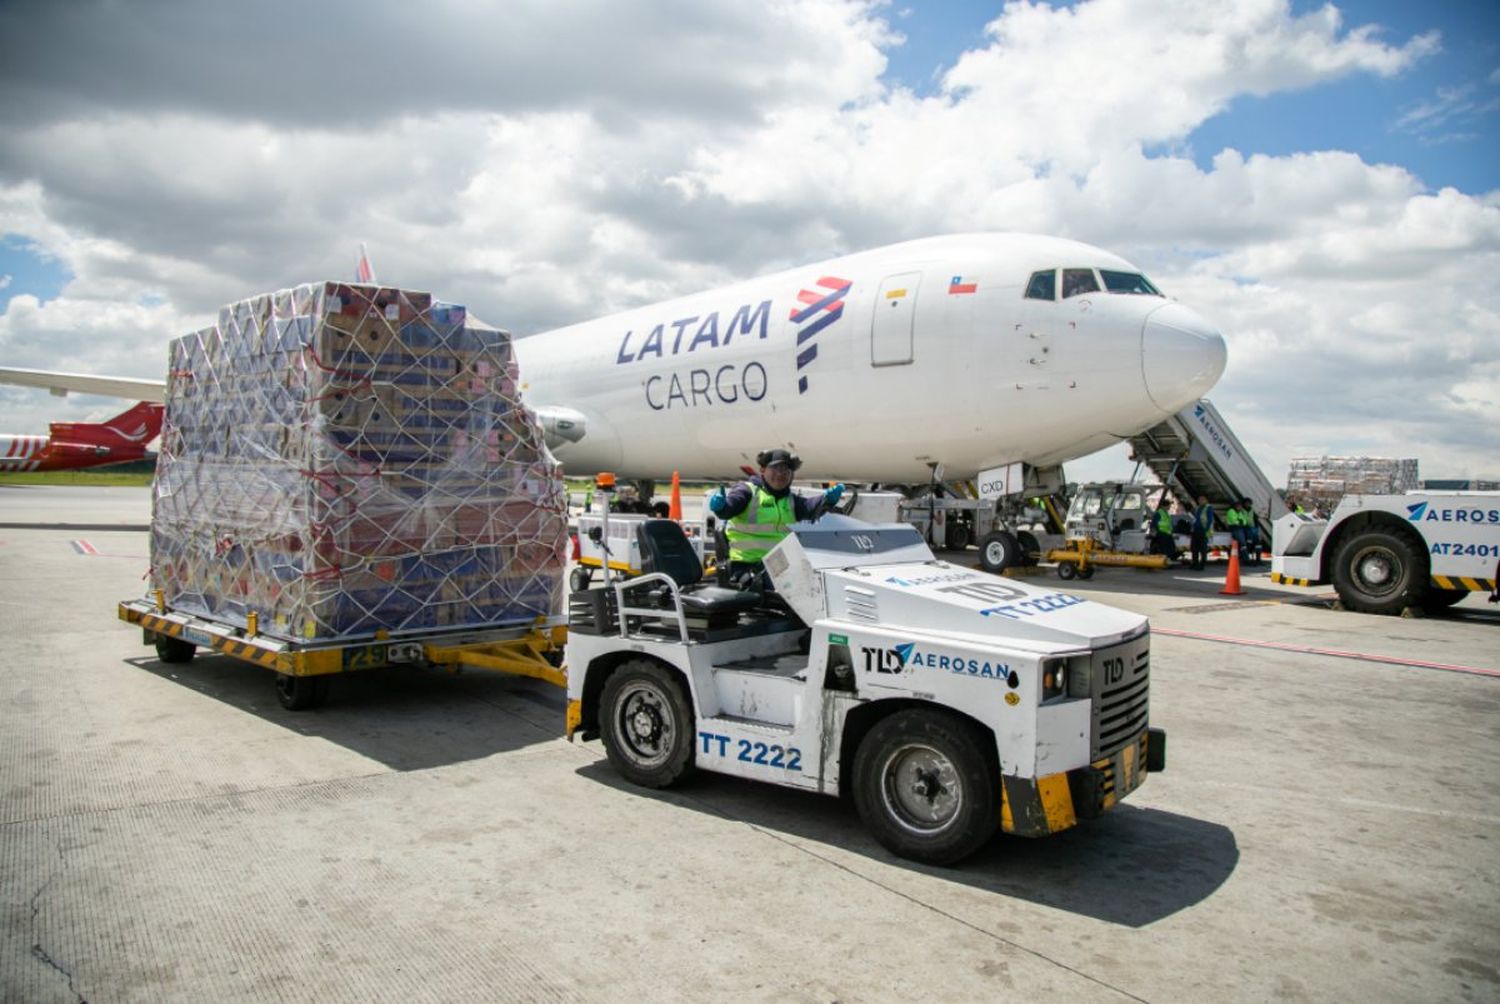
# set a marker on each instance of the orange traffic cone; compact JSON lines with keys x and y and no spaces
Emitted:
{"x":1232,"y":577}
{"x":674,"y":508}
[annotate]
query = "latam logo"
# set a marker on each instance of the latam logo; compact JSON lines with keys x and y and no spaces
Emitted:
{"x":821,"y":306}
{"x":1201,"y":414}
{"x":1422,"y":512}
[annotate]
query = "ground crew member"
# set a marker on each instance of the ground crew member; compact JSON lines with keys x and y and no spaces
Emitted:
{"x":1203,"y":526}
{"x":1162,"y":541}
{"x":759,"y":512}
{"x":1234,"y":522}
{"x":1252,"y":531}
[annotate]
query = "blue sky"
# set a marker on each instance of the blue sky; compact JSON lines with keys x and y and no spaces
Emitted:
{"x":1379,"y":119}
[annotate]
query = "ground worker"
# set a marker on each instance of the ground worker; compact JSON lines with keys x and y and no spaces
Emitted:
{"x":1252,"y":531}
{"x":759,"y":512}
{"x":1162,"y":541}
{"x":1234,"y":522}
{"x":1202,"y":529}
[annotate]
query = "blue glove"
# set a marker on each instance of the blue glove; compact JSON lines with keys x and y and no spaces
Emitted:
{"x":832,"y":495}
{"x":718,"y":501}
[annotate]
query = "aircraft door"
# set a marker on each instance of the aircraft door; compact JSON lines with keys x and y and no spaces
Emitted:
{"x":895,"y":316}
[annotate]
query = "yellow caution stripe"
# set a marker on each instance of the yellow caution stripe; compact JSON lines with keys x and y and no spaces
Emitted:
{"x":1463,"y":582}
{"x":1287,"y":580}
{"x":1036,"y":807}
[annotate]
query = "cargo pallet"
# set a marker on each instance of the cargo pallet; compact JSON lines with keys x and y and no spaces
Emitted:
{"x":303,"y":669}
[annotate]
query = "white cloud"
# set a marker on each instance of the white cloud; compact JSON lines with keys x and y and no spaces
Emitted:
{"x":561,"y":161}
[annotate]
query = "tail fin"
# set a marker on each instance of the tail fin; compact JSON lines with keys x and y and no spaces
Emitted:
{"x":363,"y":271}
{"x":136,"y":426}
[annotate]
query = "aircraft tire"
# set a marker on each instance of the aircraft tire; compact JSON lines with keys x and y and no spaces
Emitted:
{"x":925,"y":787}
{"x":957,"y":536}
{"x":1379,"y":572}
{"x":301,"y":693}
{"x":998,"y":551}
{"x":1030,"y":549}
{"x":169,"y":649}
{"x":646,"y":723}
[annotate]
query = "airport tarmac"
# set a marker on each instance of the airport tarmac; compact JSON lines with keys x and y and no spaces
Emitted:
{"x":1325,"y":828}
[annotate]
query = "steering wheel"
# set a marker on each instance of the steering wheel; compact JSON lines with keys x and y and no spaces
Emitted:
{"x":845,"y":505}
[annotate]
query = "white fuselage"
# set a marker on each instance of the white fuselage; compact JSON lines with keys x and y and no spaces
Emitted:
{"x":876,"y":366}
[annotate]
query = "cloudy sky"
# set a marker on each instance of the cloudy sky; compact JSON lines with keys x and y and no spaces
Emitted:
{"x":1322,"y":182}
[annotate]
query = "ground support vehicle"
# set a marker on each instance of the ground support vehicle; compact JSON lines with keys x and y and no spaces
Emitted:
{"x":949,"y":702}
{"x":1394,"y":554}
{"x":303,"y":670}
{"x":620,"y":549}
{"x":1083,"y":554}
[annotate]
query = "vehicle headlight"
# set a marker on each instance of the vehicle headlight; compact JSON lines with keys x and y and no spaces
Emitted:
{"x":1054,"y":678}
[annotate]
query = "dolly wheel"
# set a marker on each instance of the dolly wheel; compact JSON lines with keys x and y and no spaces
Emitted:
{"x":169,"y":649}
{"x":1066,"y":570}
{"x":647,"y":724}
{"x":925,"y":787}
{"x":580,"y":578}
{"x":301,"y":693}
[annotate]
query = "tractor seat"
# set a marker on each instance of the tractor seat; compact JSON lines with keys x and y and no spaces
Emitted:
{"x":665,"y":549}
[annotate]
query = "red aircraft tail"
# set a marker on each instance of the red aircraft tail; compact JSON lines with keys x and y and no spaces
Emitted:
{"x":129,"y":429}
{"x":117,"y":440}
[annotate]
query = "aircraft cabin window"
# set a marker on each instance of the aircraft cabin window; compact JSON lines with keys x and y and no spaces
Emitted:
{"x":1043,"y":285}
{"x":1079,"y":280}
{"x":1128,"y":282}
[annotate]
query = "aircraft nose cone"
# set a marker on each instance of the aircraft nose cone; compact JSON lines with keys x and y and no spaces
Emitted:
{"x":1182,"y":356}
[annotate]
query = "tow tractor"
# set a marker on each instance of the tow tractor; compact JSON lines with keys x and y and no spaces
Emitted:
{"x":1391,"y":554}
{"x":949,"y":702}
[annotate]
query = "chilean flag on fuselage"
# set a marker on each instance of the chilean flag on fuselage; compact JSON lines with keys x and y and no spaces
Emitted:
{"x":957,"y":285}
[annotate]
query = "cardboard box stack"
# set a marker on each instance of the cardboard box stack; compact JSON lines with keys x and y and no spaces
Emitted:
{"x":344,"y":459}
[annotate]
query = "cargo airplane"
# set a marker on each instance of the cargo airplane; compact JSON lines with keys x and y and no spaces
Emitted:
{"x":957,"y":354}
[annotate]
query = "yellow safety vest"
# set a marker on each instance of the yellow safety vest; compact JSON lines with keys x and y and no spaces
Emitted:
{"x":760,"y":527}
{"x":1163,"y":521}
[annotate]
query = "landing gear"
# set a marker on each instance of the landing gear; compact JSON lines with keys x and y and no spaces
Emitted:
{"x":998,"y":551}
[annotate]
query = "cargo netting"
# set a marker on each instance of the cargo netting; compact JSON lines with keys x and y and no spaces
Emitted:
{"x":344,"y":460}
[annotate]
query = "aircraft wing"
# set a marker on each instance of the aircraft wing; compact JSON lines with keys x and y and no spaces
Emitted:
{"x":62,"y":384}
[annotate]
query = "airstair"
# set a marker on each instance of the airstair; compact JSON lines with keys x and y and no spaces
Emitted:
{"x":1195,"y":453}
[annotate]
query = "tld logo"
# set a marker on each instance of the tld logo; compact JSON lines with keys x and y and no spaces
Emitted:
{"x":887,"y":660}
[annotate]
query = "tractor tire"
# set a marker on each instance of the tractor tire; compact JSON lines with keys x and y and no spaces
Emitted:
{"x":646,"y":723}
{"x":1379,"y":572}
{"x":1437,"y":600}
{"x":999,"y":551}
{"x":925,"y":786}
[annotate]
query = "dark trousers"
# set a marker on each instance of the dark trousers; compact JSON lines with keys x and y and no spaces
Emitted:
{"x":1198,"y":545}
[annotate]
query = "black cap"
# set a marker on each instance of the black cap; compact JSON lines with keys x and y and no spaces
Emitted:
{"x":778,"y":456}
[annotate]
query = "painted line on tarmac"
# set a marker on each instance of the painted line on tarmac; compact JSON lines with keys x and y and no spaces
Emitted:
{"x":1334,"y":652}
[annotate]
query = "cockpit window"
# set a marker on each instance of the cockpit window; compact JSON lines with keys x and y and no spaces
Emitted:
{"x":1043,"y":285}
{"x":1128,"y":282}
{"x":1079,"y":280}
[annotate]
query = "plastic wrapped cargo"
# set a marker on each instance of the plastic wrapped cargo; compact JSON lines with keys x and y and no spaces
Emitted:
{"x":344,"y":460}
